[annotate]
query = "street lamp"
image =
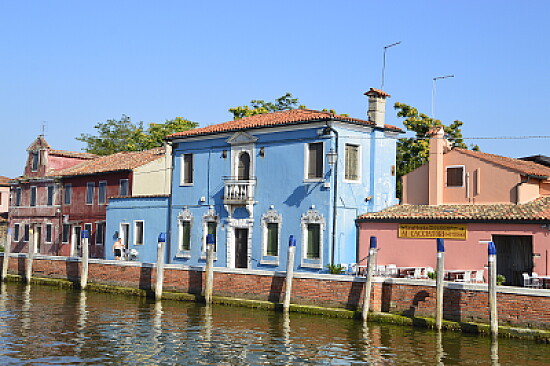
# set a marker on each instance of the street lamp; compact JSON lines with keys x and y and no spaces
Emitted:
{"x":433,"y":91}
{"x":384,"y":62}
{"x":332,"y":156}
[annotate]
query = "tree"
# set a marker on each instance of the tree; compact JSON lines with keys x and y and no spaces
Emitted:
{"x":412,"y":152}
{"x":122,"y":135}
{"x":286,"y":102}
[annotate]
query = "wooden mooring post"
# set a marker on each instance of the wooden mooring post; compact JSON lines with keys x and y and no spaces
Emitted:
{"x":289,"y":272}
{"x":209,"y":280}
{"x":30,"y":257}
{"x":368,"y":282}
{"x":493,"y":314}
{"x":160,"y":266}
{"x":85,"y":255}
{"x":440,"y":277}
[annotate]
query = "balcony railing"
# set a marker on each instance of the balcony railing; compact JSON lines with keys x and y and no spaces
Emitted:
{"x":239,"y":192}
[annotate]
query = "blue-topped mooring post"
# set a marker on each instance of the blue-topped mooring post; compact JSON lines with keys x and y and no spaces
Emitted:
{"x":493,"y":315}
{"x":289,"y":272}
{"x":7,"y":250}
{"x":85,"y":235}
{"x":160,"y":266}
{"x":30,"y":257}
{"x":209,"y":280}
{"x":440,"y":277}
{"x":368,"y":282}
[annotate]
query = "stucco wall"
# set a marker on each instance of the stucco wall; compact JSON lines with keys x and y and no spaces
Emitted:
{"x":152,"y":178}
{"x":4,"y":199}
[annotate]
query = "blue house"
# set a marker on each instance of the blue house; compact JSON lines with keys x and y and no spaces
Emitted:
{"x":254,"y":182}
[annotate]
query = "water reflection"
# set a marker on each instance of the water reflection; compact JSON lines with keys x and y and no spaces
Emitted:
{"x":41,"y":325}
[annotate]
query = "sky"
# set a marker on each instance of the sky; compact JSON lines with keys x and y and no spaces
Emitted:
{"x":68,"y":65}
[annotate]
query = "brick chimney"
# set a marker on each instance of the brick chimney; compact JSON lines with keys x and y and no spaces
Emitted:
{"x":439,"y":145}
{"x":377,"y":106}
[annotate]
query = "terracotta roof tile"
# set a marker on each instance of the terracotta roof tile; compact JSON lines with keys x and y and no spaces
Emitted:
{"x":294,"y":116}
{"x":521,"y":166}
{"x":4,"y":181}
{"x":72,"y":154}
{"x":127,"y":160}
{"x":536,"y":210}
{"x":377,"y":91}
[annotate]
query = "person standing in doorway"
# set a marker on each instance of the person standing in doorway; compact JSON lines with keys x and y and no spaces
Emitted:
{"x":117,"y":249}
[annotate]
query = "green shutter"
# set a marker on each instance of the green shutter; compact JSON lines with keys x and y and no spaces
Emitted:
{"x":185,"y":235}
{"x":313,"y":241}
{"x":272,"y":239}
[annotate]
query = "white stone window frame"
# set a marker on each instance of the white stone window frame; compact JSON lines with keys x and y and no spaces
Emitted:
{"x":312,"y":216}
{"x":306,"y":162}
{"x":184,"y":216}
{"x":136,"y":232}
{"x":271,"y":217}
{"x":183,"y":176}
{"x":242,"y":142}
{"x":233,"y":224}
{"x":359,"y":163}
{"x":102,"y":187}
{"x":210,"y":216}
{"x":97,"y":232}
{"x":463,"y":167}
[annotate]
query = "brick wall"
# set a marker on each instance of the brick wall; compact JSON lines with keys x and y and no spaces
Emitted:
{"x":462,"y":302}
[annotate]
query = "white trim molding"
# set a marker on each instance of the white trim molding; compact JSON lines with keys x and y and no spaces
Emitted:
{"x":312,"y":216}
{"x":271,"y":217}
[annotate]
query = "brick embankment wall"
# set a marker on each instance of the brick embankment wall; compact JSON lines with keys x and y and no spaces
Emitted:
{"x":520,"y":307}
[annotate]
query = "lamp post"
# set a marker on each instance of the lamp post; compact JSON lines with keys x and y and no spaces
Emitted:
{"x":433,"y":90}
{"x":384,"y":62}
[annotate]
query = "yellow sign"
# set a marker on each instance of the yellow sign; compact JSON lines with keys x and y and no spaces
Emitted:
{"x":433,"y":231}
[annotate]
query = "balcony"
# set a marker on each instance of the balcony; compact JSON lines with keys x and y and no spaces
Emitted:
{"x":239,"y":192}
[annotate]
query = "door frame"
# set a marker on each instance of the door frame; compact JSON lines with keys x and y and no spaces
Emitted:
{"x":75,"y":238}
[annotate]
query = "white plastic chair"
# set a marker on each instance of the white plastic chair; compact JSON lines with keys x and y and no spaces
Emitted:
{"x":526,"y":280}
{"x":479,"y":276}
{"x":353,"y":269}
{"x":416,"y":274}
{"x":426,"y":271}
{"x":391,"y":270}
{"x":535,"y":282}
{"x":466,"y":277}
{"x":381,"y":270}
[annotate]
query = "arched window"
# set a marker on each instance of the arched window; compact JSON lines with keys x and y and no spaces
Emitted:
{"x":243,"y":171}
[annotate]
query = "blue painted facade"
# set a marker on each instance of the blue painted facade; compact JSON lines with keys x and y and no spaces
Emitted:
{"x":124,"y":216}
{"x":278,"y":193}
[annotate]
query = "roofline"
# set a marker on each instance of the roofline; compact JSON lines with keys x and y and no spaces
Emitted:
{"x":396,"y":129}
{"x":360,"y":220}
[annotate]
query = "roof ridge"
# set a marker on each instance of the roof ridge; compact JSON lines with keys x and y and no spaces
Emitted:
{"x":494,"y":158}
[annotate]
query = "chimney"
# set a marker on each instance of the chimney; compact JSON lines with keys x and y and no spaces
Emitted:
{"x":439,"y":145}
{"x":377,"y":106}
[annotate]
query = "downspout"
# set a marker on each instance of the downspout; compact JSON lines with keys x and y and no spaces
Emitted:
{"x":335,"y":193}
{"x":169,"y":219}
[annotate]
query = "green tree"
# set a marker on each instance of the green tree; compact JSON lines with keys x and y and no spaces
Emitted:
{"x":122,"y":135}
{"x":412,"y":152}
{"x":283,"y":103}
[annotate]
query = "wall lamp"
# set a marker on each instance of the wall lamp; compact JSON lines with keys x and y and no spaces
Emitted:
{"x":332,"y":156}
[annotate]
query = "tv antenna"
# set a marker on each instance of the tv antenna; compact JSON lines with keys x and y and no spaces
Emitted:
{"x":384,"y":62}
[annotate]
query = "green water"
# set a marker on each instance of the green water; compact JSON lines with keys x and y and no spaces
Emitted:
{"x":50,"y":326}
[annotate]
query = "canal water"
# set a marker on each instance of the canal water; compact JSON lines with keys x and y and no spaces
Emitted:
{"x":49,"y":326}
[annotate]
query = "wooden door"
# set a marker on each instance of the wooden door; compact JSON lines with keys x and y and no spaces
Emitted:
{"x":241,"y":248}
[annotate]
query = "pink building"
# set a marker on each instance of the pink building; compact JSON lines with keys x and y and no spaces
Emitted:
{"x":468,"y":198}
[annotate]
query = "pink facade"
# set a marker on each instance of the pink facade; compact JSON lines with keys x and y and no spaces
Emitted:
{"x":470,"y":254}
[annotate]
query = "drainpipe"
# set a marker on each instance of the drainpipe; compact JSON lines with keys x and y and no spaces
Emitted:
{"x":169,"y":219}
{"x":327,"y":130}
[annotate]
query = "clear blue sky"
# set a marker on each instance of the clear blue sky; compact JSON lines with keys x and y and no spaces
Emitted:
{"x":76,"y":63}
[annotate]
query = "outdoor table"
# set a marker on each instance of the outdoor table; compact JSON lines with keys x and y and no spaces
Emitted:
{"x":543,"y":280}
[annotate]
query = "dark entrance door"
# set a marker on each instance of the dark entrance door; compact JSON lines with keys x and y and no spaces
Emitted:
{"x":514,"y":257}
{"x":241,"y":248}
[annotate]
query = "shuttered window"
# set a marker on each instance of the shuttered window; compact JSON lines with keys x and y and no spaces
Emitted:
{"x":313,"y":241}
{"x":455,"y":177}
{"x":185,"y":235}
{"x":352,"y":162}
{"x":187,"y":177}
{"x":315,"y":161}
{"x":272,"y":239}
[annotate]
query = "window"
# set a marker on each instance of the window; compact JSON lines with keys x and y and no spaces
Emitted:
{"x":314,"y":161}
{"x":184,"y":231}
{"x":271,"y":230}
{"x":187,"y":170}
{"x":33,"y":196}
{"x":18,"y":196}
{"x":100,"y":233}
{"x":50,"y":195}
{"x":313,"y":241}
{"x":27,"y":229}
{"x":138,"y":232}
{"x":66,"y":233}
{"x":35,"y":158}
{"x":90,"y":188}
{"x":210,"y":226}
{"x":16,"y":232}
{"x":123,"y":187}
{"x":243,"y":168}
{"x":102,"y":194}
{"x":313,"y":226}
{"x":455,"y":176}
{"x":49,"y":228}
{"x":352,"y":162}
{"x":68,"y":192}
{"x":88,"y":227}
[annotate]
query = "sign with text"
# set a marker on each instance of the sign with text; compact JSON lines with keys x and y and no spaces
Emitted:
{"x":433,"y":231}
